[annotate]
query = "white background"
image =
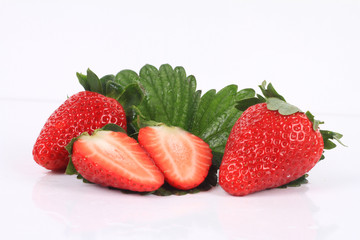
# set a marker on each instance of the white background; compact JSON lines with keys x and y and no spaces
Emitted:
{"x":310,"y":51}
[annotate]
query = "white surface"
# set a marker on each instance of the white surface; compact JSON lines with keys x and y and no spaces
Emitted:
{"x":308,"y":49}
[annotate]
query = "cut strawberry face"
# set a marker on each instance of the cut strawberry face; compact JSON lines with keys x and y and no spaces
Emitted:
{"x":116,"y":160}
{"x":183,"y":158}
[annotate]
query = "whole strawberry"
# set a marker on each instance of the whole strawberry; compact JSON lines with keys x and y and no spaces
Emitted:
{"x":266,"y":150}
{"x":272,"y":144}
{"x":82,"y":112}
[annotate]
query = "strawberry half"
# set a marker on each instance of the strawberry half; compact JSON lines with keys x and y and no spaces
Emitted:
{"x":82,"y":112}
{"x":183,"y":158}
{"x":114,"y":159}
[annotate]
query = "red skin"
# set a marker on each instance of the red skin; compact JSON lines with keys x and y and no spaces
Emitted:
{"x":82,"y":112}
{"x":266,"y":150}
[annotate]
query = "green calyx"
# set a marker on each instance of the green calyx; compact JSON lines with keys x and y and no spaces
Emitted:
{"x":312,"y":119}
{"x":70,"y":169}
{"x":269,"y":91}
{"x":328,"y":136}
{"x":284,"y":108}
{"x":274,"y":101}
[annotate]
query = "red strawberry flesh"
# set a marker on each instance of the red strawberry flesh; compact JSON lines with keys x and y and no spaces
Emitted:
{"x":183,"y":157}
{"x":117,"y":160}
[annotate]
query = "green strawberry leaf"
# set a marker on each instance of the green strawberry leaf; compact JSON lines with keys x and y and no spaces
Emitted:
{"x":83,"y":81}
{"x":215,"y":117}
{"x":170,"y":96}
{"x":113,"y":89}
{"x":244,"y":104}
{"x":126,"y":77}
{"x":131,"y":96}
{"x":94,"y":82}
{"x":104,"y":80}
{"x":91,"y":82}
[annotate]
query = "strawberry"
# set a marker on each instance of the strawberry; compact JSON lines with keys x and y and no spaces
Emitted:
{"x":116,"y":160}
{"x":270,"y":145}
{"x":183,"y":158}
{"x":82,"y":112}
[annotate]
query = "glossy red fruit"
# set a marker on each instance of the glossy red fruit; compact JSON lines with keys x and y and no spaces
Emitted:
{"x":116,"y":160}
{"x":183,"y":158}
{"x":82,"y":112}
{"x":266,"y":150}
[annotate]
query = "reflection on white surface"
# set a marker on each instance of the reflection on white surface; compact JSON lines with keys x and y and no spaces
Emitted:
{"x":284,"y":214}
{"x":87,"y":208}
{"x":89,"y":211}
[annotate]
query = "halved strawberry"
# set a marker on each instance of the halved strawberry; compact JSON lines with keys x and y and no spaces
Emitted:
{"x":114,"y":159}
{"x":183,"y":158}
